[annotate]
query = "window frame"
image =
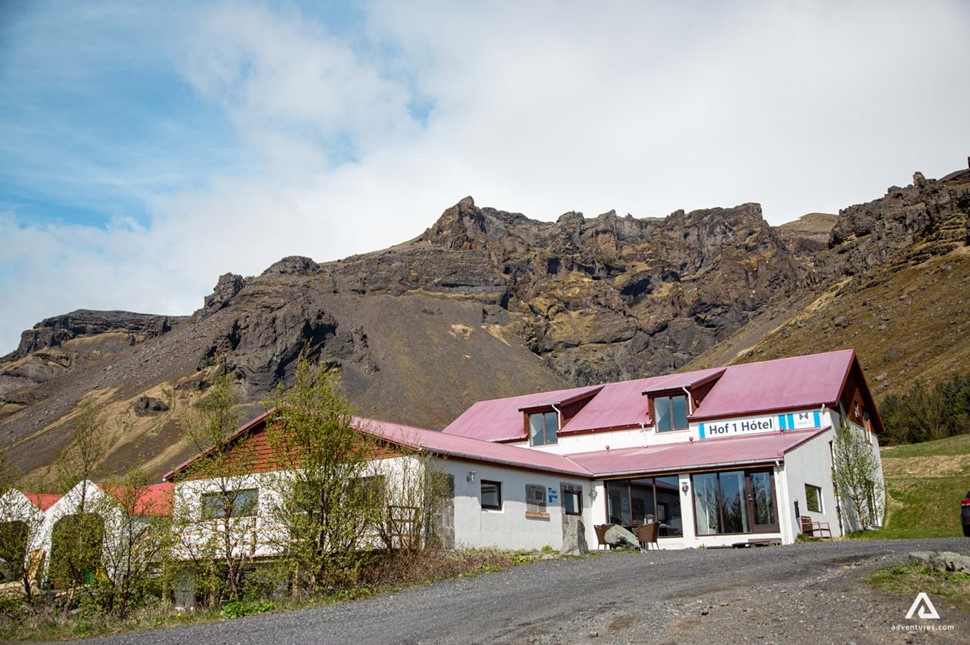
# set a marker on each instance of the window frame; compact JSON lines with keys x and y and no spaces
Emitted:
{"x":820,"y":507}
{"x":671,"y":417}
{"x":535,"y":501}
{"x":234,"y":495}
{"x":481,"y":495}
{"x":546,"y":441}
{"x":571,"y":492}
{"x":746,"y":494}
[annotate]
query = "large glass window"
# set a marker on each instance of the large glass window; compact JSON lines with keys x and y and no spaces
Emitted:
{"x":736,"y":501}
{"x":631,"y":502}
{"x":543,"y":427}
{"x":670,"y":413}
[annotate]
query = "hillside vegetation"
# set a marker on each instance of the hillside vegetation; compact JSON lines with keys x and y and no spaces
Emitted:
{"x":489,"y":303}
{"x":924,"y":485}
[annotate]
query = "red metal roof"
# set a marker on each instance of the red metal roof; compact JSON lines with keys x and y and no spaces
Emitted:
{"x":155,"y":500}
{"x":417,"y":438}
{"x":43,"y":501}
{"x":501,"y":419}
{"x":738,"y":390}
{"x":468,"y":448}
{"x":782,"y":384}
{"x":623,"y":405}
{"x":708,"y":453}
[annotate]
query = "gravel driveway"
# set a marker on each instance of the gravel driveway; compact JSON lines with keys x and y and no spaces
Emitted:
{"x":806,"y":593}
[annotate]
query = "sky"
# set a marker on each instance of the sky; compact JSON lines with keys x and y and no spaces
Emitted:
{"x":147,"y":148}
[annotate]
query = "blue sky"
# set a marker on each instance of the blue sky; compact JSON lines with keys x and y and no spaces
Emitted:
{"x":147,"y":148}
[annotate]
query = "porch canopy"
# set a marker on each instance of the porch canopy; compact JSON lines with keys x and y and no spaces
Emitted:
{"x":695,"y":455}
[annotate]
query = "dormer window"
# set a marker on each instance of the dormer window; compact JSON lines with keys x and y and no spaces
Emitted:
{"x":543,"y":427}
{"x":670,"y":412}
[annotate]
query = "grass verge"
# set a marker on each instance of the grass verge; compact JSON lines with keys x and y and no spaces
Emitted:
{"x":47,"y":622}
{"x":924,"y":485}
{"x":911,"y":578}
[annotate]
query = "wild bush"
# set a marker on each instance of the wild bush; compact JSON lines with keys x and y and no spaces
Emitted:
{"x":927,"y":413}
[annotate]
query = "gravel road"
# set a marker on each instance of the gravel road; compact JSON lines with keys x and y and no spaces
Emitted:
{"x":803,"y":593}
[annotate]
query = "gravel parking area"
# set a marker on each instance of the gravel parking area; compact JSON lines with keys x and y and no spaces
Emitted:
{"x":803,"y":593}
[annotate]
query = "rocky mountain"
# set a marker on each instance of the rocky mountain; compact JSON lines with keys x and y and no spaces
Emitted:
{"x":488,"y":303}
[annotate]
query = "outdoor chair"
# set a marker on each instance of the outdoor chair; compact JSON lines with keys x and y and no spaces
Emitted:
{"x":647,"y":534}
{"x":814,"y":529}
{"x":601,"y":530}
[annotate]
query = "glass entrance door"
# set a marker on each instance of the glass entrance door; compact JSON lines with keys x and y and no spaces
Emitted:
{"x":761,"y":502}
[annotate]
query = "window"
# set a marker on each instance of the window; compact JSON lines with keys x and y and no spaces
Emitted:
{"x":670,"y":413}
{"x":572,"y":500}
{"x":535,"y":501}
{"x":813,"y":498}
{"x":543,"y":427}
{"x":231,"y":503}
{"x":492,"y":495}
{"x":647,"y":499}
{"x":737,"y":501}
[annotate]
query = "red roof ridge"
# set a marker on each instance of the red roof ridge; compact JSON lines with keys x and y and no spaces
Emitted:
{"x":43,"y":501}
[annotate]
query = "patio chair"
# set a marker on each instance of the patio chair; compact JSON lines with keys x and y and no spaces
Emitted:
{"x":815,"y":530}
{"x":647,"y":534}
{"x":601,"y":530}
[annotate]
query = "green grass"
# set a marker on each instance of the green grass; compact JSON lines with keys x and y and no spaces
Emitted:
{"x":925,"y":483}
{"x":959,"y":445}
{"x":911,"y":578}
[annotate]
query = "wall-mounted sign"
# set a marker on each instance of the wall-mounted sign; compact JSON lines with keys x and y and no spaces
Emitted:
{"x":553,"y":495}
{"x":755,"y":425}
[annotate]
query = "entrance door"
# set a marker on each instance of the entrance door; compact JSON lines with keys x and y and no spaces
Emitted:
{"x":761,"y":501}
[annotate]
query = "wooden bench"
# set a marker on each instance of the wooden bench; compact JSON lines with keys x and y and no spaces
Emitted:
{"x":815,"y":530}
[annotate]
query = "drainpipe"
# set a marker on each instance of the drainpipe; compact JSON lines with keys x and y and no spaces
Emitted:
{"x":559,"y":419}
{"x":835,"y":487}
{"x":690,"y":400}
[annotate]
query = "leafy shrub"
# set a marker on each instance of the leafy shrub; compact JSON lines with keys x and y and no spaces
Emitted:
{"x":240,"y":608}
{"x":926,"y":414}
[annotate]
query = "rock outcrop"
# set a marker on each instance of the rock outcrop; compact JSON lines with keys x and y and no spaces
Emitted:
{"x":488,"y":303}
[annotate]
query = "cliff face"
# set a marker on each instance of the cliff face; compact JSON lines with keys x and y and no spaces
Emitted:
{"x":488,"y":303}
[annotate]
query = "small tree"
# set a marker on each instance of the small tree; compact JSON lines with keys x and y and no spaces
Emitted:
{"x":858,"y":477}
{"x":331,"y":497}
{"x":216,"y":530}
{"x":77,"y":540}
{"x":139,"y":532}
{"x":20,"y":524}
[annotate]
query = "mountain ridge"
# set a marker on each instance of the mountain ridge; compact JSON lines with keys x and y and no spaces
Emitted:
{"x":488,"y":303}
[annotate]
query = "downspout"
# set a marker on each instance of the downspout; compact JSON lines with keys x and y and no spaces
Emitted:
{"x":690,"y":400}
{"x":558,"y":421}
{"x":835,"y":488}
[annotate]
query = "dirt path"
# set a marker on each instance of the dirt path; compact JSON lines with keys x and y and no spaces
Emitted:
{"x":804,"y":593}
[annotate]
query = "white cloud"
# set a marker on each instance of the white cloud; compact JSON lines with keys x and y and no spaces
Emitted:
{"x":535,"y":107}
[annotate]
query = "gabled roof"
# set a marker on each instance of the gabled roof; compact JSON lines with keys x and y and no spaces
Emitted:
{"x":155,"y":500}
{"x":778,"y":385}
{"x":473,"y":449}
{"x":623,"y":405}
{"x":781,"y":384}
{"x":501,"y":419}
{"x":416,"y":438}
{"x":695,"y":455}
{"x":43,"y":501}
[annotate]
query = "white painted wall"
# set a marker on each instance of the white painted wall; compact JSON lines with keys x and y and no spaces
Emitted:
{"x":509,"y":528}
{"x":811,"y":463}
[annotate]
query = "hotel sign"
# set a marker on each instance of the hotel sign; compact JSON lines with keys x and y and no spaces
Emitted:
{"x":757,"y":425}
